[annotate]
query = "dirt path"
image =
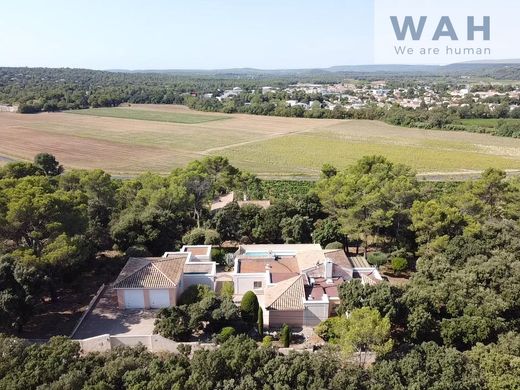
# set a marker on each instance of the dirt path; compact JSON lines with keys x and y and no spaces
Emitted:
{"x":266,"y":138}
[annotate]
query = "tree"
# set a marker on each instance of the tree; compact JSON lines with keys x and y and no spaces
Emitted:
{"x":173,"y":323}
{"x":48,"y":164}
{"x":328,"y":171}
{"x":371,"y":199}
{"x":18,"y":170}
{"x":15,"y":295}
{"x":260,"y":322}
{"x":195,"y":293}
{"x":227,"y":222}
{"x":296,"y":229}
{"x":366,"y":331}
{"x":383,"y":297}
{"x":327,"y":231}
{"x":399,"y":264}
{"x":200,"y":236}
{"x":249,"y":307}
{"x":285,"y":336}
{"x":434,"y":222}
{"x":426,"y":366}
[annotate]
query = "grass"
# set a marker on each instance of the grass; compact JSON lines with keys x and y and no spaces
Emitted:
{"x":149,"y":115}
{"x":271,"y":147}
{"x":304,"y":155}
{"x":491,"y":123}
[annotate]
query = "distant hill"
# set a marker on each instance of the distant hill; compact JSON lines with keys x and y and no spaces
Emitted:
{"x":500,"y":70}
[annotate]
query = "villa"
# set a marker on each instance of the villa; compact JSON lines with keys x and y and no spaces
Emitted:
{"x":296,"y":284}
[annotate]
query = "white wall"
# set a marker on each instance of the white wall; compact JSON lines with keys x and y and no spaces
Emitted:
{"x":245,"y":282}
{"x":316,"y":311}
{"x":190,"y":279}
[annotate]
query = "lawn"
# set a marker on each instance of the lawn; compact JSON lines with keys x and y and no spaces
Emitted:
{"x":149,"y":115}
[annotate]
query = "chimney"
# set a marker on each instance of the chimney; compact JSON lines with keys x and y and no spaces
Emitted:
{"x":328,"y":270}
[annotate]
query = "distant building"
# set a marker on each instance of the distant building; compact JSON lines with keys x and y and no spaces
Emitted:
{"x":224,"y":200}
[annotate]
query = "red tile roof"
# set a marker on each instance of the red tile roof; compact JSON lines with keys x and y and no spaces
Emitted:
{"x":151,"y":272}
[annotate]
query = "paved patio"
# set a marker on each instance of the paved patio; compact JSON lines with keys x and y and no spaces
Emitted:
{"x":107,"y":318}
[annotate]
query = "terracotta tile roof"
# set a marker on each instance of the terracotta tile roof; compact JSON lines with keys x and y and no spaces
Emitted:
{"x":222,"y":201}
{"x":339,"y":257}
{"x":277,"y":278}
{"x":197,"y":250}
{"x":197,"y":268}
{"x":151,"y":272}
{"x":359,"y":262}
{"x":310,"y":258}
{"x":286,"y":295}
{"x":284,"y":264}
{"x":176,"y":255}
{"x":321,"y":287}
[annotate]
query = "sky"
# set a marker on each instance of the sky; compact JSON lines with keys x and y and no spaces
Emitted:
{"x":189,"y":34}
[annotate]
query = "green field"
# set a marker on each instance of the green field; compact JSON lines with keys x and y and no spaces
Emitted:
{"x":149,"y":115}
{"x":491,"y":123}
{"x":271,"y":147}
{"x":306,"y":153}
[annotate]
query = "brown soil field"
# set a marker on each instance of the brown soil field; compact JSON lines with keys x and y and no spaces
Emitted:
{"x":271,"y":147}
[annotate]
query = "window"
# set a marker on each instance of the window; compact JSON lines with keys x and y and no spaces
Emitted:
{"x":257,"y":284}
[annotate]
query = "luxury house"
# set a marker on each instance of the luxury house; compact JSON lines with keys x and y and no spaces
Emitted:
{"x":296,"y":284}
{"x":157,"y":282}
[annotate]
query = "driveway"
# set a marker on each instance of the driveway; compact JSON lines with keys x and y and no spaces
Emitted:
{"x":107,"y":318}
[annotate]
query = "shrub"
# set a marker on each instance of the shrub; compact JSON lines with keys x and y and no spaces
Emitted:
{"x":330,"y":329}
{"x":138,"y":251}
{"x":199,"y":236}
{"x":267,"y":342}
{"x":195,"y":293}
{"x":377,"y":258}
{"x":184,"y":349}
{"x":249,"y":308}
{"x":334,"y":245}
{"x":399,"y":264}
{"x":227,"y":290}
{"x":225,"y":334}
{"x":27,"y":108}
{"x":195,"y":236}
{"x":212,"y":237}
{"x":173,"y":323}
{"x":218,"y":256}
{"x":285,"y":336}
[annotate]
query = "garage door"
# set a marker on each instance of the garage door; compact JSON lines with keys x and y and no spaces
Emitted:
{"x":134,"y":299}
{"x":159,"y":299}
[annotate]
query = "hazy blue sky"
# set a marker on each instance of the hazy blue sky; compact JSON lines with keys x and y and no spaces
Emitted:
{"x":205,"y":34}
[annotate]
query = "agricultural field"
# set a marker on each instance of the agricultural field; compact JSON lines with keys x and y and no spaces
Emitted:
{"x":129,"y":140}
{"x":491,"y":123}
{"x":149,"y":115}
